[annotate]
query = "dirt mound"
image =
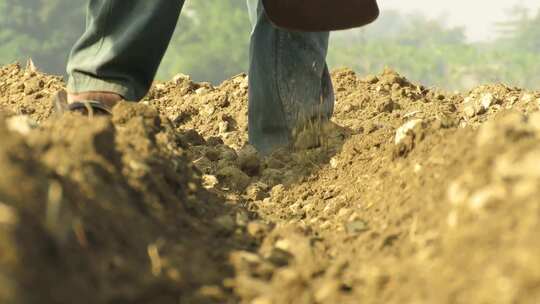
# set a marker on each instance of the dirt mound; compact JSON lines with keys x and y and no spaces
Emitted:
{"x":27,"y":91}
{"x":99,"y":211}
{"x":212,"y":111}
{"x":411,"y":195}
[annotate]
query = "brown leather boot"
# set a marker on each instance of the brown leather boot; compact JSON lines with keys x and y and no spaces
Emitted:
{"x":91,"y":103}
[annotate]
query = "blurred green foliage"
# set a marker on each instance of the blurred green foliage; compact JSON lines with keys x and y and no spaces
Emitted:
{"x":426,"y":51}
{"x":211,"y":44}
{"x":211,"y":41}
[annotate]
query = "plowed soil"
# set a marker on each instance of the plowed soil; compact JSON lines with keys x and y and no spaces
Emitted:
{"x":410,"y":195}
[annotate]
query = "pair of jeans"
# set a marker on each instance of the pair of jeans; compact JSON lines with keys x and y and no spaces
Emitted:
{"x":125,"y":41}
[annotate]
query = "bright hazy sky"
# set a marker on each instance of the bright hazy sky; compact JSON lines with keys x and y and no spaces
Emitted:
{"x":477,"y":16}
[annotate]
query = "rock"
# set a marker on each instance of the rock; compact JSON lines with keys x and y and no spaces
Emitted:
{"x":469,"y":110}
{"x":289,"y":277}
{"x":527,"y":98}
{"x":249,"y":160}
{"x":356,"y":227}
{"x":469,"y":107}
{"x":159,"y":86}
{"x":525,"y":167}
{"x":242,"y":218}
{"x":238,"y":79}
{"x":390,"y":77}
{"x":22,"y":124}
{"x":233,"y":178}
{"x":407,"y":129}
{"x":218,"y":99}
{"x":33,"y":85}
{"x":347,"y":108}
{"x":534,"y":121}
{"x":457,"y":194}
{"x":413,"y":114}
{"x":446,"y":121}
{"x":371,"y":79}
{"x":325,"y":225}
{"x":370,"y":127}
{"x":262,"y":300}
{"x":507,"y":125}
{"x":487,"y":197}
{"x":209,"y":181}
{"x":327,"y":291}
{"x":201,"y":91}
{"x":245,"y":257}
{"x":277,"y":190}
{"x":212,"y":154}
{"x":344,"y":213}
{"x":274,"y":163}
{"x":223,"y":127}
{"x":257,"y":191}
{"x":245,"y":83}
{"x":31,"y":66}
{"x":224,"y":163}
{"x":279,"y":257}
{"x":209,"y":110}
{"x":226,"y":222}
{"x":213,"y":292}
{"x":334,"y":163}
{"x":525,"y":189}
{"x":227,"y":153}
{"x":272,"y":177}
{"x":512,"y":99}
{"x":179,"y":78}
{"x":214,"y":141}
{"x":473,"y":106}
{"x":486,"y":101}
{"x":8,"y":215}
{"x":194,"y":138}
{"x":283,"y":244}
{"x":257,"y":230}
{"x":387,"y":105}
{"x":453,"y":219}
{"x":204,"y":165}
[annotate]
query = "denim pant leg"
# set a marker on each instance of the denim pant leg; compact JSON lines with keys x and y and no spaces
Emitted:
{"x":122,"y":46}
{"x":289,"y":82}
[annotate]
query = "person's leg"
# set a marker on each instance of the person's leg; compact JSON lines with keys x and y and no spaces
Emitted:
{"x":122,"y":47}
{"x":289,"y":83}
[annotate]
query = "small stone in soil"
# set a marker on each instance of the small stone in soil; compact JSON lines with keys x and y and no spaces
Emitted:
{"x":257,"y":229}
{"x":226,"y":222}
{"x":356,"y":227}
{"x":249,"y":160}
{"x":22,"y":124}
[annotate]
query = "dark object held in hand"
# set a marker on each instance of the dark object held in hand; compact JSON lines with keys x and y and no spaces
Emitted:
{"x":321,"y":15}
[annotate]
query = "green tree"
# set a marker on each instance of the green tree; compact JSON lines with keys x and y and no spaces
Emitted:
{"x":211,"y":42}
{"x":522,"y":30}
{"x":427,"y":51}
{"x":43,"y":30}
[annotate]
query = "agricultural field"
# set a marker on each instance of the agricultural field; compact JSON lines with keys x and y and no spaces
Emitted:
{"x":410,"y":195}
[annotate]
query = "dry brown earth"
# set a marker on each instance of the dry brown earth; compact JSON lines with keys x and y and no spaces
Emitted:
{"x":414,"y":195}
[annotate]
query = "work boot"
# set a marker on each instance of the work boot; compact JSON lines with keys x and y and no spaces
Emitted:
{"x":88,"y":103}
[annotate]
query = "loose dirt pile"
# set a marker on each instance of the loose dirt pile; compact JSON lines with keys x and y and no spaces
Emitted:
{"x":411,"y":195}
